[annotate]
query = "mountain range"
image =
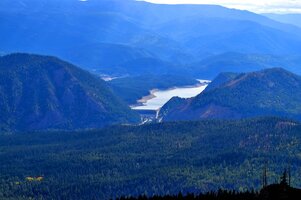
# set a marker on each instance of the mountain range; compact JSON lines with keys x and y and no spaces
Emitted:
{"x":211,"y":66}
{"x":42,"y":93}
{"x":109,"y":35}
{"x":268,"y":92}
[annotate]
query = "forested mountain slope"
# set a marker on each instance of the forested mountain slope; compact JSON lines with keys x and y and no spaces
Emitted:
{"x":263,"y":93}
{"x":41,"y":92}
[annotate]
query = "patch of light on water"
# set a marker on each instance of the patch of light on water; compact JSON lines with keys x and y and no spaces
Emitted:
{"x":160,"y":97}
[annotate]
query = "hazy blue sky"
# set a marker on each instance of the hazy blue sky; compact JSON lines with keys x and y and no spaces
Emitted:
{"x":259,"y":6}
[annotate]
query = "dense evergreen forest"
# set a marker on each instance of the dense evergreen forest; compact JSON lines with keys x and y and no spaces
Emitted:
{"x":43,"y":92}
{"x":155,"y":159}
{"x":279,"y":191}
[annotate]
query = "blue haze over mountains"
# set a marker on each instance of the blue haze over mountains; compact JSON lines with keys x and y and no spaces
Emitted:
{"x":136,"y":38}
{"x":294,"y":18}
{"x":67,"y":134}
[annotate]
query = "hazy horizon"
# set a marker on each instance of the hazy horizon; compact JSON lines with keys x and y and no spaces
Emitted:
{"x":262,"y":6}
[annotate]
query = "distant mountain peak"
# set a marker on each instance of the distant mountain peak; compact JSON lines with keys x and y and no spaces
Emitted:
{"x":271,"y":73}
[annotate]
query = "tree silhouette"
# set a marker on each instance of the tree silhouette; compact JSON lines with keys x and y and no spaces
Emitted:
{"x":284,"y":178}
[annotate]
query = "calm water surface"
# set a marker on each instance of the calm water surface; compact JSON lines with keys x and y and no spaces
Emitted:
{"x":162,"y":96}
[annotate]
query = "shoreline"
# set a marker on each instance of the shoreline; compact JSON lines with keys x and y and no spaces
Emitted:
{"x":144,"y":99}
{"x":140,"y":102}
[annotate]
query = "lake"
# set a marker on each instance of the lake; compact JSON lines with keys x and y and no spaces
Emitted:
{"x":159,"y":97}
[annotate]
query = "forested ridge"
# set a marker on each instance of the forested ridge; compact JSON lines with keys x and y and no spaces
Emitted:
{"x":155,"y":159}
{"x":46,"y":93}
{"x":276,"y":191}
{"x":269,"y":92}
